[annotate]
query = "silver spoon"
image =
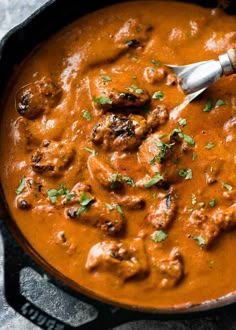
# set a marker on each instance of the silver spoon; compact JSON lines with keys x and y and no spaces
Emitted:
{"x":195,"y":78}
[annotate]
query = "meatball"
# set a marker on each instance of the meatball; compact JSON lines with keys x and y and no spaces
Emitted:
{"x":33,"y":99}
{"x":125,"y":259}
{"x":52,"y":159}
{"x":117,"y":132}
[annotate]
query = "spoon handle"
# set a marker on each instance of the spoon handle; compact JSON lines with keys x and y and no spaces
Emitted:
{"x":232,"y":57}
{"x":228,"y":62}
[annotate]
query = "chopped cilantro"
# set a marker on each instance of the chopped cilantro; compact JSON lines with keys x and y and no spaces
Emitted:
{"x":102,"y":100}
{"x":227,"y":186}
{"x":186,"y":173}
{"x":22,"y":186}
{"x":194,"y":156}
{"x":201,"y":204}
{"x":208,"y":106}
{"x":128,"y":180}
{"x":212,"y":202}
{"x":157,"y":178}
{"x":119,"y":209}
{"x":85,"y":199}
{"x":159,"y":236}
{"x":187,"y":139}
{"x":134,"y":88}
{"x":182,"y":122}
{"x":86,"y":115}
{"x":115,"y":180}
{"x":183,"y":136}
{"x":219,"y":103}
{"x":52,"y":195}
{"x":158,"y":96}
{"x":106,"y":78}
{"x":92,"y":151}
{"x":63,"y":191}
{"x":81,"y":210}
{"x":210,"y":145}
{"x":109,"y":206}
{"x":155,"y":62}
{"x":200,"y":240}
{"x":164,"y":148}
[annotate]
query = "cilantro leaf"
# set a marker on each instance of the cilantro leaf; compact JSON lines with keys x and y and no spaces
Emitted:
{"x":85,"y":199}
{"x":159,"y":236}
{"x":128,"y":180}
{"x":186,"y":173}
{"x":208,"y":106}
{"x":102,"y":100}
{"x":182,"y":122}
{"x":81,"y":210}
{"x":210,"y":145}
{"x":227,"y":186}
{"x":92,"y":151}
{"x":219,"y":103}
{"x":86,"y":115}
{"x":157,"y":178}
{"x":106,"y":78}
{"x":22,"y":186}
{"x":158,"y":96}
{"x":200,"y":240}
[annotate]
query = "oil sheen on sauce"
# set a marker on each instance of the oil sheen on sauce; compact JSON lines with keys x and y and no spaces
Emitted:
{"x":130,"y":204}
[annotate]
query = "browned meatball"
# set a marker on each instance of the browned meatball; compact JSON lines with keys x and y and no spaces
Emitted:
{"x":117,"y":132}
{"x":33,"y":99}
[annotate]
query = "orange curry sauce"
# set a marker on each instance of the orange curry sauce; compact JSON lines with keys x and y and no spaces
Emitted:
{"x":112,"y":189}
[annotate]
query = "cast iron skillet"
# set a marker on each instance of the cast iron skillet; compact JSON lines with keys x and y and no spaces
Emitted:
{"x":18,"y":253}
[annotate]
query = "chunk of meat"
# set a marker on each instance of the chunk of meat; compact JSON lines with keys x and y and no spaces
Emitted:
{"x":126,"y":259}
{"x":97,"y":215}
{"x":209,"y":226}
{"x":129,"y":202}
{"x":163,"y":212}
{"x":152,"y":154}
{"x":120,"y":132}
{"x":172,"y":269}
{"x":133,"y":34}
{"x":102,"y":172}
{"x":52,"y":159}
{"x":153,"y":76}
{"x":23,"y":138}
{"x":157,"y":116}
{"x":157,"y":154}
{"x":33,"y":99}
{"x":126,"y":98}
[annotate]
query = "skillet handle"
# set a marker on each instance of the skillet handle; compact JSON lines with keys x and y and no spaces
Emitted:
{"x":232,"y":57}
{"x":15,"y":260}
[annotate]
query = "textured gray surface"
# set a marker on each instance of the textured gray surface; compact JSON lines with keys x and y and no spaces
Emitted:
{"x":13,"y":12}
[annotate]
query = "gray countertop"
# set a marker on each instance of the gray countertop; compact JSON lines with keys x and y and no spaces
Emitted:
{"x":13,"y":12}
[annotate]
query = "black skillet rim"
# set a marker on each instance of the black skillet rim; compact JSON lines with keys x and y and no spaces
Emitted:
{"x":11,"y":232}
